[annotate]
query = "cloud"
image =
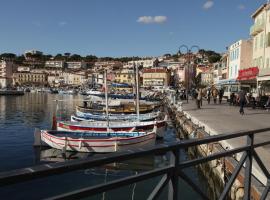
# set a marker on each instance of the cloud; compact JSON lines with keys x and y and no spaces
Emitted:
{"x":241,"y":7}
{"x":152,"y":19}
{"x":208,"y":4}
{"x":63,"y":23}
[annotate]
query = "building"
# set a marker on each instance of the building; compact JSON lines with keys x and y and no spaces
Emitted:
{"x":125,"y":76}
{"x":23,"y":69}
{"x":260,"y":32}
{"x":6,"y":73}
{"x":72,"y":78}
{"x":240,"y":55}
{"x":146,"y":63}
{"x":30,"y":78}
{"x":75,"y":64}
{"x":54,"y":64}
{"x":156,"y":77}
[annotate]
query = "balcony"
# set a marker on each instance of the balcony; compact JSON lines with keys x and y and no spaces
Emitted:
{"x":257,"y":28}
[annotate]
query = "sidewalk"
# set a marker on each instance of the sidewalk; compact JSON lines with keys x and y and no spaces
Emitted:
{"x":220,"y":119}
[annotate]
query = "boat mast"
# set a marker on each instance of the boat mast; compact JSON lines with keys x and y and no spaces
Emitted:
{"x":137,"y":94}
{"x":106,"y":99}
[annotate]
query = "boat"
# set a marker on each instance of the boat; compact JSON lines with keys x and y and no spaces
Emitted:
{"x":128,"y":108}
{"x":102,"y":142}
{"x":80,"y":116}
{"x":101,"y":126}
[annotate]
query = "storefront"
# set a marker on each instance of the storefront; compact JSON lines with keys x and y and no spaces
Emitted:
{"x":248,"y":79}
{"x":264,"y":85}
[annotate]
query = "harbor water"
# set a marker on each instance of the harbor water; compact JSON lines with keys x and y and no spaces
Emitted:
{"x":20,"y":115}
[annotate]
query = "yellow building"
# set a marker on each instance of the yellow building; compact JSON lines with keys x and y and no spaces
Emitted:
{"x":23,"y":78}
{"x":125,"y":76}
{"x":156,"y":77}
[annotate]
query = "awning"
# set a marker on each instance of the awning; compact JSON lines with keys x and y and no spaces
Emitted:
{"x":248,"y":74}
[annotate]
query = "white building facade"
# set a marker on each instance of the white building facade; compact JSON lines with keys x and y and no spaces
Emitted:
{"x":6,"y":73}
{"x":260,"y":32}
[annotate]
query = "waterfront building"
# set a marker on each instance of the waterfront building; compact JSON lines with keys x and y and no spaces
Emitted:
{"x":125,"y":76}
{"x":260,"y":32}
{"x":145,"y":63}
{"x":156,"y":77}
{"x":75,"y":64}
{"x":30,"y":78}
{"x":23,"y":69}
{"x":73,"y":78}
{"x":6,"y":68}
{"x":239,"y":59}
{"x":54,"y":64}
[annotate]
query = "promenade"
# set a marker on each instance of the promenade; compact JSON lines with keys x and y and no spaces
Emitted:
{"x":223,"y":118}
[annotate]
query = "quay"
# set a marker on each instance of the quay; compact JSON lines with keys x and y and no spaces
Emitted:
{"x":11,"y":92}
{"x":219,"y":119}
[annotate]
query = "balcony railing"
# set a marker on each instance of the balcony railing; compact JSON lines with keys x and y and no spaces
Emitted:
{"x":257,"y":28}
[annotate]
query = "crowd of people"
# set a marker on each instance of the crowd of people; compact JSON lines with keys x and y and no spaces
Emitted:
{"x":240,"y":99}
{"x":208,"y":93}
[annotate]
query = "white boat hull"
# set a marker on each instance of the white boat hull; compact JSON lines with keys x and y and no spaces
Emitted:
{"x":98,"y":145}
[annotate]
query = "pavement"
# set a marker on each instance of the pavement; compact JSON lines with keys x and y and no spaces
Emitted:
{"x":223,"y":118}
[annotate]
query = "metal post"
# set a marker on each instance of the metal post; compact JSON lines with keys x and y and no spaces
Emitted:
{"x":248,"y":167}
{"x":173,"y":183}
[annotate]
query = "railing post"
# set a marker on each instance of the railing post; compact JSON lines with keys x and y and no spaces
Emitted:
{"x":248,"y":168}
{"x":173,"y":183}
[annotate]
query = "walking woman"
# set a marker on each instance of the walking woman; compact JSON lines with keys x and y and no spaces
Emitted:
{"x":214,"y":94}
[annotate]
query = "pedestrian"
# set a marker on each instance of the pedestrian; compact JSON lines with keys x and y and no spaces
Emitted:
{"x":220,"y":95}
{"x":242,"y":100}
{"x":214,"y":94}
{"x":232,"y":99}
{"x":199,"y":98}
{"x":208,"y":93}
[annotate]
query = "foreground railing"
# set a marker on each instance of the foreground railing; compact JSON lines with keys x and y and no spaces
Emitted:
{"x":170,"y":173}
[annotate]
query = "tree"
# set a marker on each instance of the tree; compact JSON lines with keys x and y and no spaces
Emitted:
{"x":90,"y":58}
{"x":59,"y":56}
{"x":214,"y":58}
{"x":67,"y":54}
{"x":75,"y":57}
{"x":8,"y":56}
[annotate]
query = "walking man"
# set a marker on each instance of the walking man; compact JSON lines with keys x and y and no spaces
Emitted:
{"x":208,"y":93}
{"x":214,"y":94}
{"x":220,"y":94}
{"x":199,"y":98}
{"x":242,"y":100}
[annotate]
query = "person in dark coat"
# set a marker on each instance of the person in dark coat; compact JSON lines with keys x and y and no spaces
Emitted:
{"x":220,"y":95}
{"x":242,"y":100}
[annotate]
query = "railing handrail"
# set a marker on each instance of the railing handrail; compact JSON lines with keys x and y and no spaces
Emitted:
{"x":31,"y":173}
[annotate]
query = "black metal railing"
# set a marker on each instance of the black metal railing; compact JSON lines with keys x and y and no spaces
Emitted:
{"x":170,"y":173}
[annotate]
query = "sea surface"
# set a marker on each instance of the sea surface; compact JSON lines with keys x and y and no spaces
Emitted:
{"x":20,"y":115}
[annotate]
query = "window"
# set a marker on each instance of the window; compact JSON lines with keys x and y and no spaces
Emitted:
{"x":261,"y":41}
{"x":235,"y":70}
{"x":256,"y":42}
{"x":267,"y":63}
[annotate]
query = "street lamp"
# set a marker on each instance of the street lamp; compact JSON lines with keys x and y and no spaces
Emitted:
{"x":188,"y":66}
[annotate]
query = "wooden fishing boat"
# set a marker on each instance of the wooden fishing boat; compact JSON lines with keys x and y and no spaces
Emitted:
{"x":80,"y":116}
{"x":128,"y":108}
{"x":101,"y":142}
{"x":101,"y":126}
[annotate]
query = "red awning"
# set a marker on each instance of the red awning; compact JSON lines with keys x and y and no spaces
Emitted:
{"x":248,"y":74}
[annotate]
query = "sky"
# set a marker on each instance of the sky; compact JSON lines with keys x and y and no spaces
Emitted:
{"x":119,"y":28}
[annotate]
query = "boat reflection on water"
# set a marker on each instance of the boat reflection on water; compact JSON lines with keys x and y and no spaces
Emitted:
{"x":50,"y":155}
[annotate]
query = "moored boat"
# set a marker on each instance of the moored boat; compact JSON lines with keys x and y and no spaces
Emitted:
{"x":80,"y":116}
{"x":97,"y":142}
{"x":116,"y":109}
{"x":101,"y":126}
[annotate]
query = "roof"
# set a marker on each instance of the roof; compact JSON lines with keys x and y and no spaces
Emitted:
{"x":158,"y":70}
{"x":259,"y":10}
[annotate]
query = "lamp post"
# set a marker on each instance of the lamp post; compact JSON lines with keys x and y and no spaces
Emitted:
{"x":188,"y":65}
